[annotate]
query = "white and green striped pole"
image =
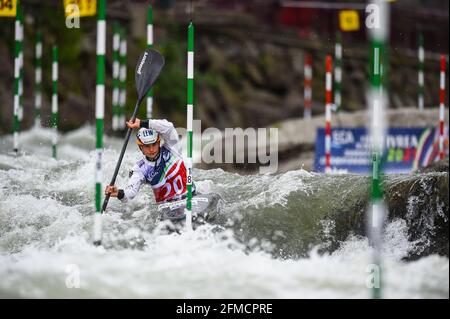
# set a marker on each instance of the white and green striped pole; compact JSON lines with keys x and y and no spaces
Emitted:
{"x":99,"y":115}
{"x":54,"y":118}
{"x":21,"y":72}
{"x":338,"y":72}
{"x":17,"y":66}
{"x":378,"y":100}
{"x":421,"y":79}
{"x":123,"y":78}
{"x":382,"y":79}
{"x":38,"y":80}
{"x":150,"y":45}
{"x":116,"y":69}
{"x":190,"y":110}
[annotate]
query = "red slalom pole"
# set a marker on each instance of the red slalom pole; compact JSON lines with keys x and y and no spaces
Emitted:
{"x":442,"y":109}
{"x":329,"y":96}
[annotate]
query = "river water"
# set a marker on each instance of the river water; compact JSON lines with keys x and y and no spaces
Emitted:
{"x":270,"y":244}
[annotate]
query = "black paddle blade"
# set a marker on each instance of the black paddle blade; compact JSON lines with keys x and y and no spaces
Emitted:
{"x":149,"y":66}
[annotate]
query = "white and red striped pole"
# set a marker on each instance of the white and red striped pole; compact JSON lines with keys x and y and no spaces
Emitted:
{"x":442,"y":109}
{"x":329,"y":101}
{"x":308,"y":86}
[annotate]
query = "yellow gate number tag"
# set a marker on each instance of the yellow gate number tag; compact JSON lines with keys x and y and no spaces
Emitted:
{"x":349,"y":20}
{"x":8,"y":8}
{"x":85,"y":7}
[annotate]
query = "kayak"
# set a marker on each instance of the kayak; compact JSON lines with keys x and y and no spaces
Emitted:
{"x":206,"y":208}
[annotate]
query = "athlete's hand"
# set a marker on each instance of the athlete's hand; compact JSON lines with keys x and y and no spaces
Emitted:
{"x":135,"y":124}
{"x":112,"y":190}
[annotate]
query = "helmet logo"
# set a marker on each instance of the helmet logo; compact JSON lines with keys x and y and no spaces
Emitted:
{"x":147,"y":133}
{"x":147,"y":136}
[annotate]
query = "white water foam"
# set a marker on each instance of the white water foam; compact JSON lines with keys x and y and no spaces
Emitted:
{"x":46,"y":215}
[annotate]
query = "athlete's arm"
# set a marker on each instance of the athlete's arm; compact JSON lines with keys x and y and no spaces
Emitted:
{"x":133,"y":186}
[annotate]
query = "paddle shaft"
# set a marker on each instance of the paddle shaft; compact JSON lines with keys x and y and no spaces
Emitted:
{"x":122,"y":152}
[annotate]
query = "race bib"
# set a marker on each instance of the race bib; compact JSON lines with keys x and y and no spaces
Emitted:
{"x":173,"y":184}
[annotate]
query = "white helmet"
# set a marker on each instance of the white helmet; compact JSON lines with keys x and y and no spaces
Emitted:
{"x":146,"y":136}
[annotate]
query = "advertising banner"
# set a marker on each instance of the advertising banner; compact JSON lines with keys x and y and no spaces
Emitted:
{"x":406,"y":149}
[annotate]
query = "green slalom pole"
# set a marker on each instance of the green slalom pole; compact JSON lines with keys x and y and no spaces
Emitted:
{"x":377,"y":212}
{"x":123,"y":78}
{"x":21,"y":72}
{"x":99,"y":115}
{"x":116,"y":69}
{"x":190,"y":110}
{"x":421,"y":77}
{"x":18,"y":36}
{"x":38,"y":80}
{"x":377,"y":153}
{"x":150,"y":45}
{"x":338,"y":72}
{"x":381,"y":79}
{"x":54,"y":119}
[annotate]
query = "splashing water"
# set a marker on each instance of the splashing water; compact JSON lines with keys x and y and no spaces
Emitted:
{"x":274,"y":243}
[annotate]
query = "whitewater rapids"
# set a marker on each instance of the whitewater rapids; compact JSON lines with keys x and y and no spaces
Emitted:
{"x":46,"y":221}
